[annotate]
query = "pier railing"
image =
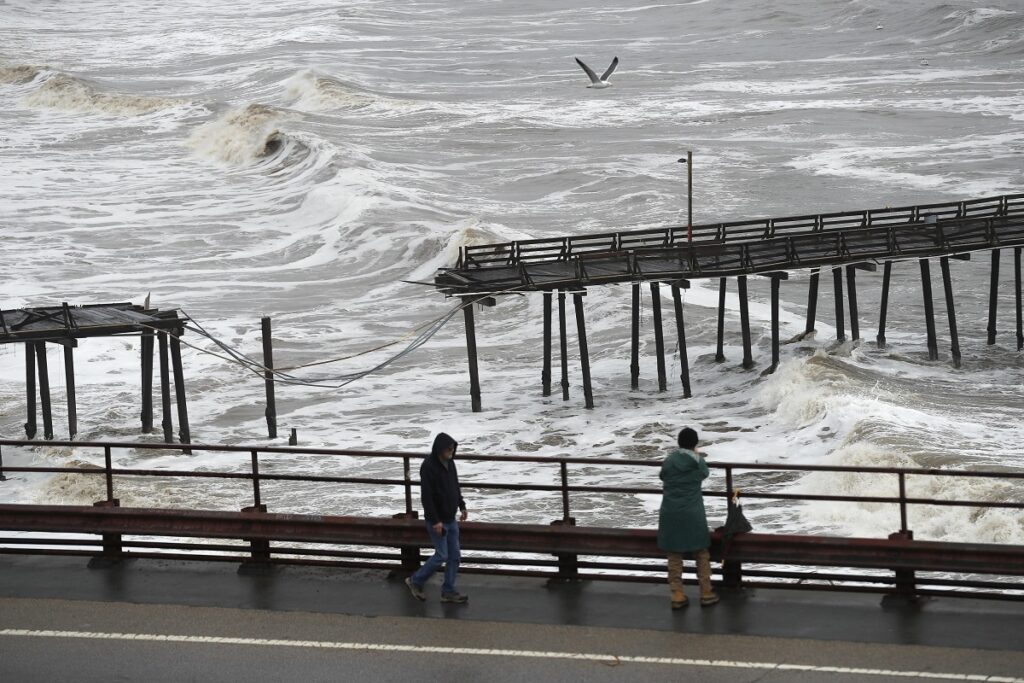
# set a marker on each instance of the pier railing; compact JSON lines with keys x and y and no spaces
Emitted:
{"x":750,"y":560}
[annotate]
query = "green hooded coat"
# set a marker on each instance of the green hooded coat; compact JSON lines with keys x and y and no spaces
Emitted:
{"x":682,"y":524}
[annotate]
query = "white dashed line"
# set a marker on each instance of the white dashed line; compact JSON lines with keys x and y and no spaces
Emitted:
{"x":483,"y":652}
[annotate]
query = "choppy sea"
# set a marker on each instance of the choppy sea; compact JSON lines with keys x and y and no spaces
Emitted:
{"x":304,"y":160}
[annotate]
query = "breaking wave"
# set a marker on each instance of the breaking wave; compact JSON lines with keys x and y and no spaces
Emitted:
{"x":65,"y":92}
{"x":18,"y":75}
{"x":244,"y":136}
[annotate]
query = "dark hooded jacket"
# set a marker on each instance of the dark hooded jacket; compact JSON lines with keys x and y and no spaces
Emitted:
{"x":439,"y":483}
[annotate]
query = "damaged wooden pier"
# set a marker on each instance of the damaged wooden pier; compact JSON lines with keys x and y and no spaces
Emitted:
{"x":65,"y":325}
{"x":770,"y":247}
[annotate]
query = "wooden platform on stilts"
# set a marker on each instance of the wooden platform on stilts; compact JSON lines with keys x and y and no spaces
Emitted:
{"x":771,"y":247}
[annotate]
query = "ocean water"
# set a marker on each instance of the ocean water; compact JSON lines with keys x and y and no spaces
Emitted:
{"x":310,"y":160}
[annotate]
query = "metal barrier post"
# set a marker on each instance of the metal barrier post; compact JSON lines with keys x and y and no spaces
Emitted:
{"x":410,"y":554}
{"x":568,"y":563}
{"x":732,"y":571}
{"x":258,"y":561}
{"x":2,"y":477}
{"x":112,"y":552}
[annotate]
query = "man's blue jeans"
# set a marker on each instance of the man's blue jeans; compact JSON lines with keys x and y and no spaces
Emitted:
{"x":446,"y":552}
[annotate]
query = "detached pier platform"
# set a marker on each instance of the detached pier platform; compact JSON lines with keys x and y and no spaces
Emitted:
{"x":843,"y":242}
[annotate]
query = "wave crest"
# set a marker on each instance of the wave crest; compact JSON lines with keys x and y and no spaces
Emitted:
{"x":62,"y":91}
{"x":242,"y":136}
{"x":309,"y":90}
{"x":17,"y":75}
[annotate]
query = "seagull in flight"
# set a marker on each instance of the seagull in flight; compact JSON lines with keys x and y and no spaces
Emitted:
{"x":601,"y":82}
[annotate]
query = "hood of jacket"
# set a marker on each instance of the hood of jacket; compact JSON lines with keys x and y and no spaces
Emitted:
{"x":441,"y":442}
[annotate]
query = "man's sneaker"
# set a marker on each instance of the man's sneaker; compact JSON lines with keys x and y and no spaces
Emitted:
{"x":454,"y":597}
{"x":416,"y":591}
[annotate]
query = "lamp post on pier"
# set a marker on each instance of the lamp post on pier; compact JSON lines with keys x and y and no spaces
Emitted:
{"x":689,"y":194}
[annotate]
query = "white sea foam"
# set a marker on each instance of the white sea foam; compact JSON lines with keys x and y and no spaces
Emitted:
{"x":61,"y":91}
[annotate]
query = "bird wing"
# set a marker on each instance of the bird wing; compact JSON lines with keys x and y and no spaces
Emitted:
{"x":611,"y":68}
{"x":590,"y":72}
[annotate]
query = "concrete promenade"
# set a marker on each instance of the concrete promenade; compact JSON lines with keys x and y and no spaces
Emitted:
{"x":177,"y":621}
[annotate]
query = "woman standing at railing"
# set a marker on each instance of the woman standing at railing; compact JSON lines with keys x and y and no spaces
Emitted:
{"x":682,"y":523}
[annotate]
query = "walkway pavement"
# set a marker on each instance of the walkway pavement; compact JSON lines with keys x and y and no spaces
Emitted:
{"x":155,"y":620}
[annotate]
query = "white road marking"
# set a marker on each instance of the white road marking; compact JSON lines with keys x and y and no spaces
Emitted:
{"x":536,"y":654}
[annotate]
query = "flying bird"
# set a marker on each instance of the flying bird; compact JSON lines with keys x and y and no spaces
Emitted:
{"x":601,"y":82}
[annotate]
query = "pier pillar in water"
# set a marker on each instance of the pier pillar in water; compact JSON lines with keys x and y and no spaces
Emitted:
{"x":165,"y":389}
{"x":1017,"y":297}
{"x":929,"y":312}
{"x":268,"y":377}
{"x":720,"y":350}
{"x":851,"y":294}
{"x":837,"y":280}
{"x":681,"y":331}
{"x":947,"y":286}
{"x":886,"y":275}
{"x":748,"y":360}
{"x":812,"y":301}
{"x":634,"y":363}
{"x":581,"y":328}
{"x":776,"y":280}
{"x":69,"y":382}
{"x":44,"y":390}
{"x":179,"y":389}
{"x":545,"y":373}
{"x":147,"y":382}
{"x":30,"y":390}
{"x":993,"y":292}
{"x":474,"y":373}
{"x":659,"y":335}
{"x":563,"y":344}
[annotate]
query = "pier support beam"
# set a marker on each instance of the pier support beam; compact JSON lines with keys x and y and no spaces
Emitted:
{"x":581,"y":328}
{"x":886,"y":275}
{"x":30,"y":390}
{"x":993,"y":292}
{"x":659,"y":335}
{"x":147,"y":382}
{"x":837,"y":279}
{"x":165,"y":390}
{"x":812,"y":301}
{"x":775,"y":323}
{"x":474,"y":371}
{"x":545,"y":373}
{"x":681,"y":331}
{"x":268,"y":377}
{"x":851,"y":293}
{"x":929,"y":312}
{"x":634,"y":363}
{"x":179,"y":389}
{"x":69,"y":382}
{"x":947,"y":286}
{"x":564,"y":344}
{"x":44,"y":390}
{"x":1017,"y":296}
{"x":748,"y":360}
{"x":720,"y":350}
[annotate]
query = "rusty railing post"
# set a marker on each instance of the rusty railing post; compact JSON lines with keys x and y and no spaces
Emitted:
{"x":568,"y":563}
{"x":410,"y":554}
{"x":258,"y":561}
{"x":113,"y":551}
{"x":2,"y":477}
{"x":905,"y":579}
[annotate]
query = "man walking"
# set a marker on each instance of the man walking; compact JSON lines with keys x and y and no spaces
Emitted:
{"x":439,"y":490}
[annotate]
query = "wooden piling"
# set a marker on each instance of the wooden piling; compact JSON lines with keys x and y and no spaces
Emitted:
{"x":474,"y":372}
{"x":69,"y":382}
{"x":147,"y":381}
{"x":851,"y":293}
{"x":837,"y":280}
{"x":268,"y":377}
{"x":179,"y":389}
{"x":44,"y":390}
{"x":581,"y":329}
{"x":659,"y":335}
{"x":165,"y":390}
{"x":545,"y":373}
{"x":929,"y":312}
{"x":30,"y":390}
{"x":993,"y":292}
{"x":947,"y":286}
{"x":634,"y":363}
{"x":812,"y":300}
{"x":775,"y":323}
{"x":684,"y":362}
{"x":883,"y":307}
{"x":720,"y":350}
{"x":564,"y":344}
{"x":1017,"y":296}
{"x":748,"y":360}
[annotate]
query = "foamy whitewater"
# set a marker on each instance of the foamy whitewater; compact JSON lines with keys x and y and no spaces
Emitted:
{"x":303,"y":160}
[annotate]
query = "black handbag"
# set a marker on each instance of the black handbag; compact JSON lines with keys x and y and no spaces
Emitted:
{"x":735,"y":523}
